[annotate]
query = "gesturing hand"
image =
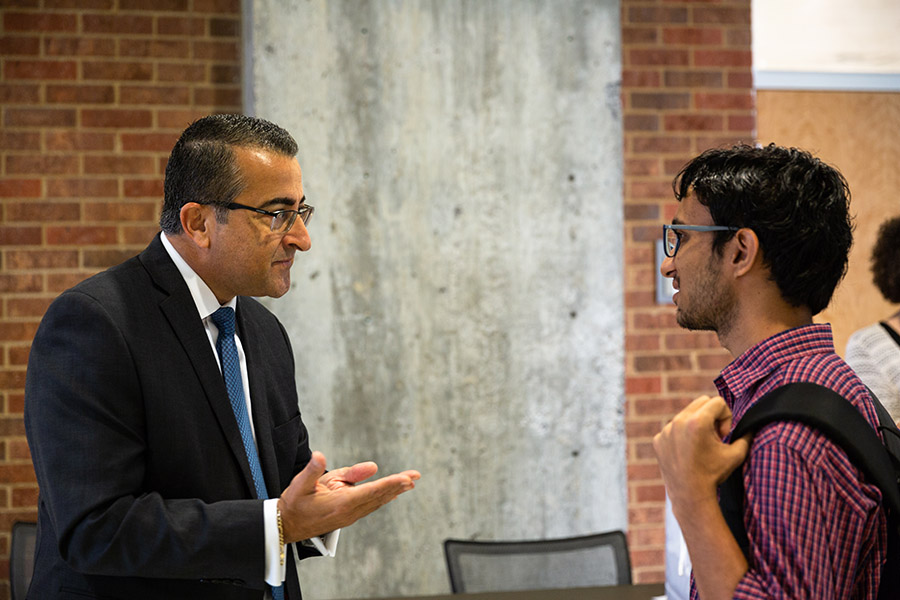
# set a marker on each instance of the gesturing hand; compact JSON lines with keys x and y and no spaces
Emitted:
{"x":316,"y":502}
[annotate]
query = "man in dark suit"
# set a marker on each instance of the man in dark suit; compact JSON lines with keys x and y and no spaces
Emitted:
{"x":170,"y":452}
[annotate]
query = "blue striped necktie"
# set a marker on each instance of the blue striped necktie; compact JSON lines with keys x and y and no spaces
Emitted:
{"x":231,"y":370}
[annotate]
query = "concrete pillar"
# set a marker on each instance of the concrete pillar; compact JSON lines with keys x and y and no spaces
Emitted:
{"x":461,"y":309}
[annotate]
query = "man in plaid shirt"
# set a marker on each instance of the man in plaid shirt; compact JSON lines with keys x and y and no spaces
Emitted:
{"x":756,"y":248}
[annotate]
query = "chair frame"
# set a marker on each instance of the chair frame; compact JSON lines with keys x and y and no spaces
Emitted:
{"x":454,"y":548}
{"x":21,"y":564}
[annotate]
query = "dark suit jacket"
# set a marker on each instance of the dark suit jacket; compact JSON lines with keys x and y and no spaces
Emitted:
{"x":145,"y":489}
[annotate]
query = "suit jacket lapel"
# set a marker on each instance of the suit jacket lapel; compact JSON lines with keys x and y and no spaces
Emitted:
{"x":179,"y":308}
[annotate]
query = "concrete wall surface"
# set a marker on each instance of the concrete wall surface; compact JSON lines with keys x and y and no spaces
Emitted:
{"x":461,"y":309}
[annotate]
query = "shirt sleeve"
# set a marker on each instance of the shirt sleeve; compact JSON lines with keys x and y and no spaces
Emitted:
{"x":811,"y":523}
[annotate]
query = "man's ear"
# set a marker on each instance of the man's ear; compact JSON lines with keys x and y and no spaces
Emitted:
{"x":197,"y":221}
{"x":745,"y":251}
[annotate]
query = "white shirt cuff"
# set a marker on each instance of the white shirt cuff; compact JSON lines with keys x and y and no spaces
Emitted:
{"x":275,"y":571}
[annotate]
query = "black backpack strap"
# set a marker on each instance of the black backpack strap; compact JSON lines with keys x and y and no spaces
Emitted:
{"x":891,"y":332}
{"x":831,"y":414}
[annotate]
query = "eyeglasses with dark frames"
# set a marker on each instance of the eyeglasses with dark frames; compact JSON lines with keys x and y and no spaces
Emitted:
{"x":672,"y":235}
{"x":282,"y":220}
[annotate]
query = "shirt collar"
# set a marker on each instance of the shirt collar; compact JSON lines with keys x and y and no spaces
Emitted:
{"x":204,"y":299}
{"x":740,"y":382}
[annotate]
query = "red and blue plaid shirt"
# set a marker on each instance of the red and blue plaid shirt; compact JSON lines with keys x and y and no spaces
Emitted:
{"x":816,"y":530}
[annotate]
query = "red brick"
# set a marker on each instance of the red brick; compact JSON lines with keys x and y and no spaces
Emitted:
{"x":117,"y":71}
{"x":642,"y":122}
{"x":131,"y":94}
{"x":103,"y":259}
{"x":23,"y":260}
{"x":640,"y":515}
{"x":663,"y":408}
{"x":27,"y":307}
{"x":120,"y":211}
{"x":693,"y":79}
{"x":658,"y":57}
{"x":699,"y":384}
{"x":80,"y":235}
{"x":153,"y":48}
{"x":80,"y":94}
{"x":741,"y":123}
{"x":178,"y":120}
{"x":40,"y":22}
{"x":727,"y":101}
{"x":124,"y":24}
{"x":118,"y":118}
{"x":40,"y":69}
{"x":19,"y":93}
{"x":636,"y":342}
{"x":740,"y":79}
{"x":22,"y":473}
{"x":643,"y":385}
{"x":641,"y":77}
{"x":79,"y":46}
{"x":179,"y":72}
{"x":42,"y":212}
{"x":662,"y":362}
{"x":634,"y":212}
{"x":221,"y":27}
{"x":640,"y":35}
{"x":692,"y":36}
{"x":661,"y":144}
{"x":79,"y":140}
{"x":20,"y":140}
{"x":41,"y":165}
{"x":650,"y":493}
{"x":19,"y":236}
{"x":25,"y":496}
{"x":690,"y":340}
{"x":217,"y":50}
{"x":19,"y":45}
{"x":225,"y":74}
{"x":721,"y":15}
{"x":723,"y":58}
{"x":644,"y":537}
{"x":694,"y":122}
{"x":19,"y":283}
{"x":217,"y":6}
{"x":649,"y":189}
{"x":189,"y":26}
{"x":141,"y":188}
{"x":139,"y":235}
{"x":155,"y":6}
{"x":655,"y":14}
{"x":219,"y":97}
{"x":121,"y":165}
{"x":644,"y":472}
{"x":17,"y":449}
{"x":637,"y":167}
{"x":20,"y":188}
{"x":59,"y":282}
{"x":40,"y":117}
{"x":660,"y":100}
{"x":739,"y":37}
{"x":82,"y":188}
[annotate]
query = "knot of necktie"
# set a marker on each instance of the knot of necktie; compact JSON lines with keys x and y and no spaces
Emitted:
{"x":224,"y":320}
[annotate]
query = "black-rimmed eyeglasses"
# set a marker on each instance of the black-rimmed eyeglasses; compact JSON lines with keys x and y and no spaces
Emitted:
{"x":282,"y":220}
{"x":672,"y":235}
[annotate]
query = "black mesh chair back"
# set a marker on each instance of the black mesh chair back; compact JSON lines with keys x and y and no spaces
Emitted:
{"x":21,"y":559}
{"x":585,"y":561}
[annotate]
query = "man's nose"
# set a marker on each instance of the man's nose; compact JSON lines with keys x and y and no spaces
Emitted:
{"x":298,"y":236}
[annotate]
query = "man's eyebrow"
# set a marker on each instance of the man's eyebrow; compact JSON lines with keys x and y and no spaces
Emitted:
{"x":677,"y":221}
{"x":281,"y":202}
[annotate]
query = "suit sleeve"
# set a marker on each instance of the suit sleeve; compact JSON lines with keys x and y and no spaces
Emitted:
{"x":84,"y":418}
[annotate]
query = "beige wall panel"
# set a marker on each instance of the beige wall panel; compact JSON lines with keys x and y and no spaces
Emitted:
{"x":856,"y":132}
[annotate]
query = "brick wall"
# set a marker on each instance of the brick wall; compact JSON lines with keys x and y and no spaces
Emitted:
{"x":686,"y":86}
{"x":91,"y":101}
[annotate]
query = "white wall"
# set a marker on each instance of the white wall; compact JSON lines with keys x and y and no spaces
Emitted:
{"x":461,"y":311}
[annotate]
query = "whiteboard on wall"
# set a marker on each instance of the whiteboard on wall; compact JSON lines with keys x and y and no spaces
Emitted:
{"x":826,"y":45}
